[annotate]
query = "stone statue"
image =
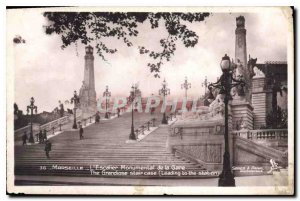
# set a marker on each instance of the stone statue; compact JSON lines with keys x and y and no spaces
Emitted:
{"x":251,"y":65}
{"x":258,"y":73}
{"x":214,"y":111}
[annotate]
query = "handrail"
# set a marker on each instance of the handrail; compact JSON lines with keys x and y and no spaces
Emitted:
{"x":146,"y":126}
{"x":49,"y":124}
{"x":57,"y":127}
{"x":189,"y":157}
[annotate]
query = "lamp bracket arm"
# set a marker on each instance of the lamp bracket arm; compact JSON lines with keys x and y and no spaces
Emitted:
{"x":240,"y":81}
{"x":215,"y":85}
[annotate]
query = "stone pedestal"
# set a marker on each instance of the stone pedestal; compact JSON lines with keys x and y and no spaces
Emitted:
{"x":260,"y":98}
{"x":242,"y":112}
{"x":87,"y":93}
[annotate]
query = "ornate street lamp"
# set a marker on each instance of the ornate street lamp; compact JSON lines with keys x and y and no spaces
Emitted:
{"x":31,"y":108}
{"x":205,"y":84}
{"x":75,"y":100}
{"x":61,"y":108}
{"x":186,"y":86}
{"x":107,"y":96}
{"x":131,"y":100}
{"x":164,"y":91}
{"x":225,"y":84}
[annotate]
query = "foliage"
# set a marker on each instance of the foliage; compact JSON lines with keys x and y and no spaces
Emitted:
{"x":277,"y":119}
{"x":18,"y":39}
{"x":86,"y":27}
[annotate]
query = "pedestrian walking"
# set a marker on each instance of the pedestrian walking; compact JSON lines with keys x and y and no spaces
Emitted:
{"x":24,"y":138}
{"x":45,"y":135}
{"x":80,"y":132}
{"x":118,"y":111}
{"x":97,"y":117}
{"x":48,"y":146}
{"x":41,"y":139}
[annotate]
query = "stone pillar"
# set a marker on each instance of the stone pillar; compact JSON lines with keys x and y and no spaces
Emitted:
{"x":260,"y":97}
{"x":242,"y":68}
{"x":240,"y":42}
{"x":87,"y":94}
{"x":242,"y":112}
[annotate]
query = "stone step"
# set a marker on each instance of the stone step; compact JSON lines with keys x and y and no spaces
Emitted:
{"x":103,"y":144}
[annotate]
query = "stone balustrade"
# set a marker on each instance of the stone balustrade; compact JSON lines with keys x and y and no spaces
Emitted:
{"x":48,"y":126}
{"x":262,"y":134}
{"x":55,"y":123}
{"x":144,"y":127}
{"x":19,"y":132}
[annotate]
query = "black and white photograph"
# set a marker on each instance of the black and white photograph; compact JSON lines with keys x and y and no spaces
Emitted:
{"x":150,"y":101}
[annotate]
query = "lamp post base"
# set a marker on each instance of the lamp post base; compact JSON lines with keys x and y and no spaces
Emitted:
{"x":106,"y":115}
{"x":164,"y":120}
{"x":132,"y":135}
{"x":226,"y":179}
{"x":31,"y":139}
{"x":74,"y":125}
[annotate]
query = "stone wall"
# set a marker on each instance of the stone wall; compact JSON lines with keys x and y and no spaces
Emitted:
{"x":248,"y":153}
{"x":259,"y":102}
{"x":203,"y":144}
{"x":242,"y":112}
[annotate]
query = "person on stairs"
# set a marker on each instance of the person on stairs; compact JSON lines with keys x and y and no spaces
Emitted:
{"x":41,"y":138}
{"x":80,"y":132}
{"x":97,"y":117}
{"x":45,"y":135}
{"x":118,"y":111}
{"x":48,"y":148}
{"x":24,"y":138}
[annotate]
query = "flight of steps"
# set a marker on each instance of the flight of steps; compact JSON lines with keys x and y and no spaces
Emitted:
{"x":104,"y":145}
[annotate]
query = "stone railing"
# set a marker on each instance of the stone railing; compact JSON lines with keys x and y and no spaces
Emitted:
{"x":84,"y":121}
{"x":193,"y":130}
{"x":145,"y":127}
{"x":19,"y":132}
{"x":48,"y":126}
{"x":188,"y":156}
{"x":208,"y":153}
{"x":56,"y":125}
{"x":171,"y":116}
{"x":262,"y":134}
{"x":52,"y":126}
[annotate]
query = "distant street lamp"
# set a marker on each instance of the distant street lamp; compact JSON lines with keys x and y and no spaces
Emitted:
{"x":131,"y":100}
{"x":205,"y":84}
{"x":31,"y":108}
{"x":107,"y":95}
{"x":225,"y":84}
{"x":75,"y":100}
{"x":164,"y":91}
{"x":186,"y":86}
{"x":61,"y":108}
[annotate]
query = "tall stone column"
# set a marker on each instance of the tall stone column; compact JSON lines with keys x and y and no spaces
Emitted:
{"x":87,"y":94}
{"x":240,"y":42}
{"x":241,"y":104}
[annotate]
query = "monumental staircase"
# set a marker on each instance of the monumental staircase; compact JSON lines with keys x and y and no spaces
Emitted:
{"x":106,"y":145}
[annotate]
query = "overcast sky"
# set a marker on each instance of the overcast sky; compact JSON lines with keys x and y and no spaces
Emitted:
{"x":48,"y":73}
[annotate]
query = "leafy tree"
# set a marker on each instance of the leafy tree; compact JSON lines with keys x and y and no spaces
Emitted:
{"x":86,"y":27}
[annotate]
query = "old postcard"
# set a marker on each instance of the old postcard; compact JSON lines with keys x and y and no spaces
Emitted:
{"x":150,"y":101}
